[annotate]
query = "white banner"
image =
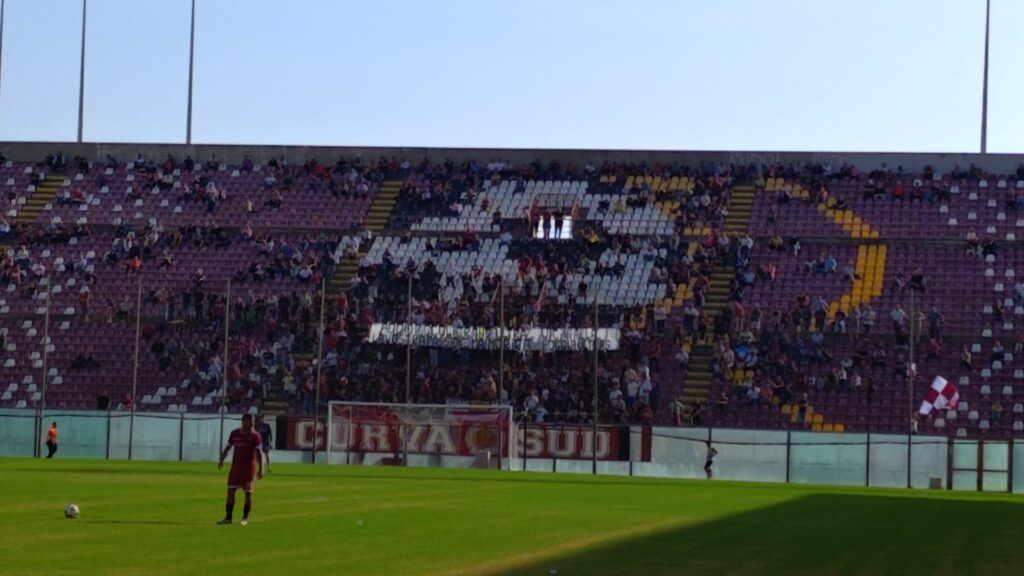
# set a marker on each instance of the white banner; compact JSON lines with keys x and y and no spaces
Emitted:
{"x":542,"y":339}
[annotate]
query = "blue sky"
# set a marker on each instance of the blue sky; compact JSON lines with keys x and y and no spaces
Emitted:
{"x":873,"y":75}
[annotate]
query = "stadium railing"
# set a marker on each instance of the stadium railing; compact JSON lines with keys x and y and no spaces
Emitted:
{"x":851,"y":459}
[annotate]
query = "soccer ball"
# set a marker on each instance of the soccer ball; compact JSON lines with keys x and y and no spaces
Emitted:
{"x":71,"y":511}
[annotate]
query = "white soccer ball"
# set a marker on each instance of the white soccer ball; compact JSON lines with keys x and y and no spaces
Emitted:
{"x":71,"y":511}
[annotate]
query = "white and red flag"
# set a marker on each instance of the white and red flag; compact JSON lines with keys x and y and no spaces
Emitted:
{"x":941,"y":396}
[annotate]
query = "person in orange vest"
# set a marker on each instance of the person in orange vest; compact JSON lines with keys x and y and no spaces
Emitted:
{"x":51,"y":440}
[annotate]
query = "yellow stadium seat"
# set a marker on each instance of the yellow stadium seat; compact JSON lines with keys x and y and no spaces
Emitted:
{"x":826,"y":427}
{"x":818,"y":419}
{"x":816,"y":428}
{"x":787,"y":408}
{"x":839,"y":428}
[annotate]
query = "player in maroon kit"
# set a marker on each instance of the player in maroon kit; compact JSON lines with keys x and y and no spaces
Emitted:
{"x":246,"y":466}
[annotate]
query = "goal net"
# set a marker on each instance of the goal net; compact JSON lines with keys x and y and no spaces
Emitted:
{"x":448,"y":436}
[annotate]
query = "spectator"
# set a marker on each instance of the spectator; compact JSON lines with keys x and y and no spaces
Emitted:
{"x":917,"y":280}
{"x":722,"y":403}
{"x":966,"y":357}
{"x":996,"y":411}
{"x":899,"y":320}
{"x":676,"y":411}
{"x":696,"y":414}
{"x":867,"y":319}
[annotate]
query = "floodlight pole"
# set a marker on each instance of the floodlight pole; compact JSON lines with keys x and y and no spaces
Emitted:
{"x":2,"y":6}
{"x":81,"y":74}
{"x":191,"y":70}
{"x":984,"y":85}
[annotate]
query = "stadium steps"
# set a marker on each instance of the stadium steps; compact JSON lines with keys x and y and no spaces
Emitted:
{"x":36,"y":203}
{"x":698,"y":378}
{"x":697,"y":385}
{"x":342,"y":279}
{"x":741,"y":205}
{"x":383,"y":205}
{"x":376,"y":220}
{"x":275,"y":405}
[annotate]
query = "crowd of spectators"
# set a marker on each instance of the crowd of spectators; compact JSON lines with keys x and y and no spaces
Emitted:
{"x":787,"y":354}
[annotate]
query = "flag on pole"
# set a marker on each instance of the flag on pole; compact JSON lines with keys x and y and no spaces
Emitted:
{"x":942,"y":395}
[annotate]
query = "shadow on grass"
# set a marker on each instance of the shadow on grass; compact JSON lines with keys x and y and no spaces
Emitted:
{"x":818,"y":534}
{"x":410,"y":474}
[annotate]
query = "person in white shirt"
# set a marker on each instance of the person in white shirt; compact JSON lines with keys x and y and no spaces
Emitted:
{"x":659,"y":318}
{"x":541,"y":413}
{"x":615,"y":393}
{"x":899,"y":319}
{"x":531,"y":402}
{"x":867,"y":319}
{"x":644,"y":391}
{"x":682,"y":358}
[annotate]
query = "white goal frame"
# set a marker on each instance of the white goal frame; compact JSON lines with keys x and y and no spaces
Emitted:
{"x":508,"y":437}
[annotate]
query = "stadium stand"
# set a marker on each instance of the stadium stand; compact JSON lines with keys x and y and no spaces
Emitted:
{"x":760,"y":296}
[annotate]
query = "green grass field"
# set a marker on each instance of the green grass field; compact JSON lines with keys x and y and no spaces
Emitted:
{"x":158,"y":518}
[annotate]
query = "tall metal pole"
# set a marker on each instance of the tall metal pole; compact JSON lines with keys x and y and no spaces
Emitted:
{"x":408,"y":343}
{"x":81,"y":77}
{"x":594,"y":412}
{"x":911,"y":372}
{"x":191,"y":68}
{"x":319,"y":367}
{"x":2,"y":6}
{"x":224,"y":372}
{"x":46,"y":345}
{"x":135,"y":370}
{"x":501,"y":333}
{"x":984,"y":86}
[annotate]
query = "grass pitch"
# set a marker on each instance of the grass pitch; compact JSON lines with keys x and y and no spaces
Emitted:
{"x":158,"y":518}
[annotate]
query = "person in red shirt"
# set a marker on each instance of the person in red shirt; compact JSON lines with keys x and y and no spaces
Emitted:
{"x":246,"y":464}
{"x":51,"y":440}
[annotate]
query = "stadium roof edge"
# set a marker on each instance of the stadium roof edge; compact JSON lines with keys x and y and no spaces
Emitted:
{"x":234,"y":153}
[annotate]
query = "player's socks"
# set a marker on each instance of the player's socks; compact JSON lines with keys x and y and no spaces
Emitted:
{"x":245,"y":511}
{"x":229,"y":510}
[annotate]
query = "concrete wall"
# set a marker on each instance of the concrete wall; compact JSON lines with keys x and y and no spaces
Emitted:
{"x":34,"y":151}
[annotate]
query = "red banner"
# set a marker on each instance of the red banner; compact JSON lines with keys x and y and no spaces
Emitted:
{"x":570,"y":442}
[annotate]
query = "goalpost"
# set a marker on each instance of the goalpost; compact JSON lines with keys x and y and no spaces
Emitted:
{"x":431,"y":435}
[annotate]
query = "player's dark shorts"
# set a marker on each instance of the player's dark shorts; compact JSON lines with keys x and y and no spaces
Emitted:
{"x":242,"y":477}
